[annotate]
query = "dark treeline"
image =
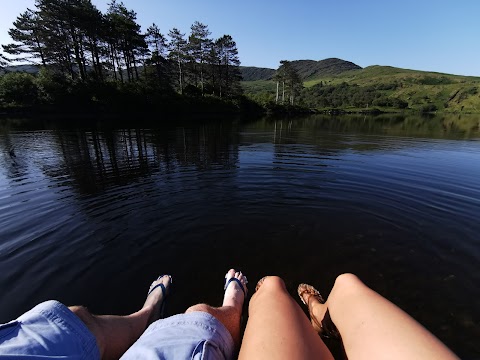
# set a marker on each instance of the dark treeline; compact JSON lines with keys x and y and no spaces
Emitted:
{"x":86,"y":57}
{"x":291,"y":95}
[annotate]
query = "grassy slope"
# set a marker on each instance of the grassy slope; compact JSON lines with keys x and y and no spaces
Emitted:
{"x":258,"y":86}
{"x":250,"y":73}
{"x":418,"y":88}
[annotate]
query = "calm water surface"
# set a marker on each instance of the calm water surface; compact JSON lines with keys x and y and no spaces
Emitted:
{"x":92,"y":215}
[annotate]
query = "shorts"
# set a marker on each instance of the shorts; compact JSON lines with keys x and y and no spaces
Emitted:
{"x":196,"y":335}
{"x":50,"y":329}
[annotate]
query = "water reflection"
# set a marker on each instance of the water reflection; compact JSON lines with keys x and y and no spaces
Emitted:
{"x":99,"y":159}
{"x":96,"y":158}
{"x":91,"y":215}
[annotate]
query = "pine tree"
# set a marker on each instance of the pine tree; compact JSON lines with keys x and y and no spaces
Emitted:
{"x":127,"y":44}
{"x":295,"y":85}
{"x":59,"y":22}
{"x":291,"y":81}
{"x":229,"y":62}
{"x":28,"y":43}
{"x":93,"y":27}
{"x":3,"y":61}
{"x":156,"y":41}
{"x":212,"y":69}
{"x":157,"y":44}
{"x":198,"y":47}
{"x":179,"y":54}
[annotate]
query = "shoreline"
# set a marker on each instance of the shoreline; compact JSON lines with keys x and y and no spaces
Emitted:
{"x":200,"y":112}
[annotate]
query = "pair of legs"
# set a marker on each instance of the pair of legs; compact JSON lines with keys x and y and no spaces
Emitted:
{"x":115,"y":334}
{"x":371,"y":327}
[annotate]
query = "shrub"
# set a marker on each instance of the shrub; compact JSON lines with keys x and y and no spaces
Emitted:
{"x":18,"y":89}
{"x":52,"y":86}
{"x":429,"y":108}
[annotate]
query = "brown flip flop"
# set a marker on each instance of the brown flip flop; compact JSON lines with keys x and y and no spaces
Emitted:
{"x":260,"y":283}
{"x":326,"y":328}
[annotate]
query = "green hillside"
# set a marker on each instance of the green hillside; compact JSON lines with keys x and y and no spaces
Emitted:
{"x":251,"y":73}
{"x":310,"y":69}
{"x":383,"y":87}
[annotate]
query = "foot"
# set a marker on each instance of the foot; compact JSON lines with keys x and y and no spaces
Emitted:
{"x":260,"y":283}
{"x":234,"y":294}
{"x":156,"y":297}
{"x":315,"y":304}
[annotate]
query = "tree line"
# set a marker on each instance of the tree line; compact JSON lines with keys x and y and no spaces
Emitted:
{"x":77,"y":45}
{"x":344,"y":95}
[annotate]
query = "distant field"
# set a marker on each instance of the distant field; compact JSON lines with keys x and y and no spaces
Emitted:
{"x":259,"y":86}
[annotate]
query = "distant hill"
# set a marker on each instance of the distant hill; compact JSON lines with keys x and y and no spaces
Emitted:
{"x":31,"y":69}
{"x":252,"y":73}
{"x":308,"y":69}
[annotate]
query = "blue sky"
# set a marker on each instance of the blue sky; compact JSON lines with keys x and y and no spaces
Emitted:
{"x":436,"y":35}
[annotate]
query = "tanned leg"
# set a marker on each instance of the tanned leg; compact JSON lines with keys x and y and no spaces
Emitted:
{"x":277,"y":328}
{"x":230,"y":313}
{"x":115,"y":334}
{"x":372,"y":327}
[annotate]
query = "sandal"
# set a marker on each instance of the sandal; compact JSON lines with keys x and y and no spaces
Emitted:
{"x":326,"y":328}
{"x":164,"y":293}
{"x":260,"y":283}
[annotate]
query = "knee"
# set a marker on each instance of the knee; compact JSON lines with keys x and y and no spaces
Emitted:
{"x":87,"y":318}
{"x":199,"y":307}
{"x":83,"y":313}
{"x":348,"y":282}
{"x":272,"y":287}
{"x":273,"y":284}
{"x":93,"y":325}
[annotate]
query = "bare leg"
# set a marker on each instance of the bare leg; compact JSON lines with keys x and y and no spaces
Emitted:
{"x":115,"y":334}
{"x":277,"y":328}
{"x":230,"y":313}
{"x":372,"y":327}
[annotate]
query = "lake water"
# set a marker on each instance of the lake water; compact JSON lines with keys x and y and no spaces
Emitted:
{"x":92,"y":214}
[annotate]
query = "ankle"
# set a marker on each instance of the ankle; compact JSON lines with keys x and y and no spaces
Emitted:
{"x":318,"y":310}
{"x":146,"y":309}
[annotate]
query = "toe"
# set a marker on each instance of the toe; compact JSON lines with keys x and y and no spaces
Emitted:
{"x":166,"y":280}
{"x":242,"y":278}
{"x":239,"y":276}
{"x":230,"y":273}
